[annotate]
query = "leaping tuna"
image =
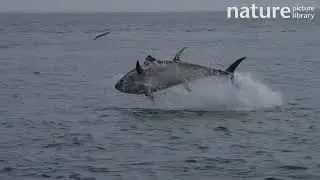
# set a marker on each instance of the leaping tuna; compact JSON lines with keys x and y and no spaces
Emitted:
{"x":155,"y":75}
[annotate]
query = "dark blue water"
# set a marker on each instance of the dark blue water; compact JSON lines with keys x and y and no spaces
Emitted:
{"x":62,"y":118}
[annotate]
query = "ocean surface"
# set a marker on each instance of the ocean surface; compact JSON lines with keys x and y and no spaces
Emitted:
{"x":62,"y":118}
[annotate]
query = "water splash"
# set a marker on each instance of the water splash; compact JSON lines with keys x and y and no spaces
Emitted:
{"x":216,"y":94}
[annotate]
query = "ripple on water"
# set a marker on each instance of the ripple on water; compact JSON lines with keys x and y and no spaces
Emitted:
{"x":97,"y":169}
{"x":142,"y":163}
{"x":6,"y":169}
{"x":190,"y":161}
{"x":203,"y":148}
{"x":222,"y":128}
{"x":294,"y":168}
{"x":273,"y":178}
{"x":217,"y":160}
{"x":69,"y":139}
{"x":78,"y":176}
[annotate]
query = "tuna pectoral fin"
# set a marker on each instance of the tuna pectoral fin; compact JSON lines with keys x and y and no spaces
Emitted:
{"x":150,"y":96}
{"x":186,"y":86}
{"x":234,"y":66}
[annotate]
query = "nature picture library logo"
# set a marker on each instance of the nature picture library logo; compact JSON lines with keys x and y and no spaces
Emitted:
{"x":286,"y":12}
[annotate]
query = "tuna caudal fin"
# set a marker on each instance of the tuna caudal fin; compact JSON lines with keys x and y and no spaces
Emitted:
{"x":234,"y":66}
{"x":177,"y":56}
{"x":101,"y":35}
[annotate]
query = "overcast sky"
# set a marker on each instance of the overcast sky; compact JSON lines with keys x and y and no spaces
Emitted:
{"x":135,"y":5}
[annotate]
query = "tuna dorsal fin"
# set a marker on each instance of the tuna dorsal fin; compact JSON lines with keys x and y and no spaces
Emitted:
{"x":139,"y":68}
{"x":177,"y":56}
{"x":150,"y":58}
{"x":234,"y":66}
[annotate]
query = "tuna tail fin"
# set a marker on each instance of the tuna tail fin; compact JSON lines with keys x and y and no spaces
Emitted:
{"x":234,"y":66}
{"x":177,"y":56}
{"x":103,"y":34}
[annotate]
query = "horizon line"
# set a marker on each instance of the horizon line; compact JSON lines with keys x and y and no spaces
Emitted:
{"x":173,"y":11}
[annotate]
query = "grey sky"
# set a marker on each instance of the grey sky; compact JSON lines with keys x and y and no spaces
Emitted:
{"x":135,"y":5}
